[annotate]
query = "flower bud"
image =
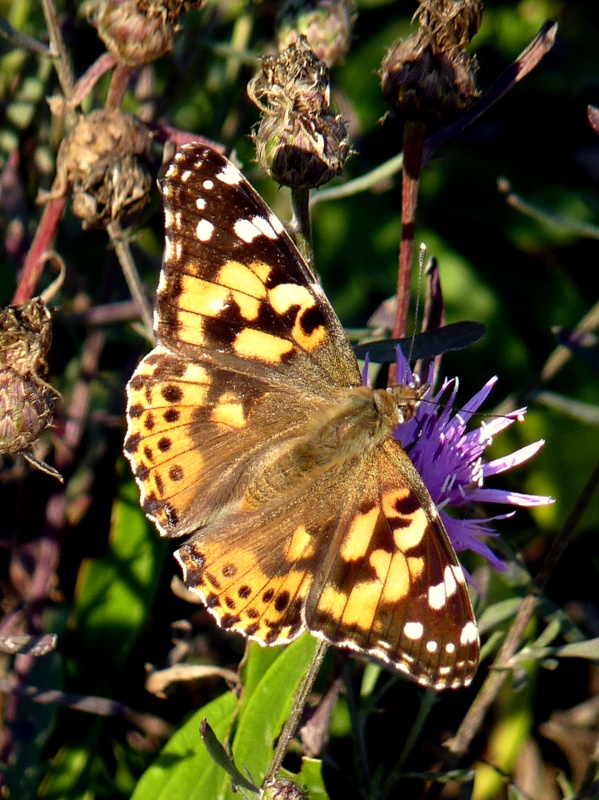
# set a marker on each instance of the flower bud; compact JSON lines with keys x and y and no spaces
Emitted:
{"x":299,"y":141}
{"x":326,"y":24}
{"x":138,"y":31}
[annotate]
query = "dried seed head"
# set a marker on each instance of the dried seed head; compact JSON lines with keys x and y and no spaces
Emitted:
{"x":105,"y":160}
{"x":299,"y":141}
{"x":429,"y":77}
{"x":326,"y":24}
{"x":26,"y":399}
{"x":450,"y":23}
{"x":283,"y":789}
{"x":138,"y":31}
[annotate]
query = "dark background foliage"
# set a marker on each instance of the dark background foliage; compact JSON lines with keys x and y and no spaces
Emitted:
{"x":110,"y":600}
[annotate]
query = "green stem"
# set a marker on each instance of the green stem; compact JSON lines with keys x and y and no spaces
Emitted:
{"x":123,"y":252}
{"x":299,"y":701}
{"x":301,"y":223}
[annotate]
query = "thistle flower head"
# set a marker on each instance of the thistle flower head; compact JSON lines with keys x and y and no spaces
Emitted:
{"x":450,"y":460}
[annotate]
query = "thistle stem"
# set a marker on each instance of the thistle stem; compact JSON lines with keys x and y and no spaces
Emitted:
{"x":299,"y":701}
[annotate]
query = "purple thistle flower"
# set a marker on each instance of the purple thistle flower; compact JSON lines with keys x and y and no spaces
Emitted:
{"x":449,"y":459}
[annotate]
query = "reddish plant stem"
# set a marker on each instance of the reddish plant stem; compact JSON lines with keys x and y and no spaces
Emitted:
{"x":412,"y":154}
{"x":89,"y":79}
{"x":118,"y":85}
{"x":412,"y":160}
{"x":34,"y":263}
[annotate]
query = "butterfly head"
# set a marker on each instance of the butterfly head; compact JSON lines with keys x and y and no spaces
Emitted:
{"x":407,"y":398}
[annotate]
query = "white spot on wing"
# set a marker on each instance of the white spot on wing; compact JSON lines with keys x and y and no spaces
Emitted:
{"x":185,"y":176}
{"x":432,"y":646}
{"x":450,"y":581}
{"x":265,"y":227}
{"x":469,"y":633}
{"x":161,"y":281}
{"x":208,"y":184}
{"x":249,"y":229}
{"x":246,"y":230}
{"x":204,"y":230}
{"x":276,"y":223}
{"x":413,"y":630}
{"x":230,"y":175}
{"x":450,"y":647}
{"x":458,"y":574}
{"x":200,"y":204}
{"x":436,"y":596}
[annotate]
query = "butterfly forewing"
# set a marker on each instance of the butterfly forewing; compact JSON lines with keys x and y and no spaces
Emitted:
{"x":233,"y":285}
{"x":249,"y":430}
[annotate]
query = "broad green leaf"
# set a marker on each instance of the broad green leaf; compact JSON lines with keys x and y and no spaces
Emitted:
{"x":257,"y":661}
{"x":310,"y":777}
{"x":184,"y":769}
{"x":264,"y":711}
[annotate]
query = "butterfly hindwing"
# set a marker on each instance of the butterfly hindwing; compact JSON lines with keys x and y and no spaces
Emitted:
{"x":392,"y":585}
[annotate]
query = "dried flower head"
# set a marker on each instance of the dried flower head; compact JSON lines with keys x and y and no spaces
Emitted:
{"x":26,"y":399}
{"x":326,"y":24}
{"x":138,"y":31}
{"x":429,"y":77}
{"x":283,"y":789}
{"x":105,"y":161}
{"x":299,"y":141}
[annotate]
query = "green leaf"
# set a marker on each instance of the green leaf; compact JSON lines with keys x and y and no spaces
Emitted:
{"x":257,"y":661}
{"x":184,"y":770}
{"x":310,"y":778}
{"x":264,"y":711}
{"x":218,"y":754}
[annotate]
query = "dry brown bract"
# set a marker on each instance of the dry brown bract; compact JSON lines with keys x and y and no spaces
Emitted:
{"x":26,"y":399}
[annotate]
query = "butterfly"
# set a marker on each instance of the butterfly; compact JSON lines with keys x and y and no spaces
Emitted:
{"x":251,"y":433}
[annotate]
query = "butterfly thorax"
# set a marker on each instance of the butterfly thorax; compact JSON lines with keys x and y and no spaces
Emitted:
{"x":338,"y":433}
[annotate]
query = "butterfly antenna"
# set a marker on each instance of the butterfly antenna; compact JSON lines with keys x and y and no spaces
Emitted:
{"x":480,"y":414}
{"x":421,"y":260}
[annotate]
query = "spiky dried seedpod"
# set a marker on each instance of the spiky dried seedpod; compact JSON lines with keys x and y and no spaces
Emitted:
{"x":429,"y":77}
{"x":105,"y":161}
{"x":26,"y":398}
{"x":326,"y":24}
{"x":138,"y":31}
{"x":283,"y":789}
{"x":299,"y":141}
